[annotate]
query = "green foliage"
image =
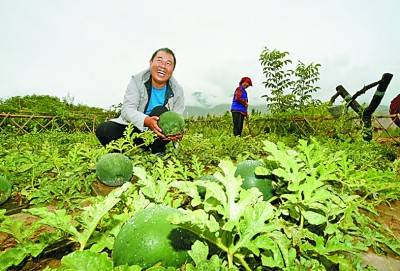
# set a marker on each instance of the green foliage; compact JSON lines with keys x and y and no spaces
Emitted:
{"x":30,"y":241}
{"x":127,"y":145}
{"x":51,"y":167}
{"x":311,"y":121}
{"x":156,"y":184}
{"x":303,"y":87}
{"x":230,"y":217}
{"x":68,"y":117}
{"x":277,"y":79}
{"x":199,"y":254}
{"x":290,"y":89}
{"x":319,"y":218}
{"x":45,"y":104}
{"x":86,"y":261}
{"x":88,"y":219}
{"x":306,"y":226}
{"x":210,"y":144}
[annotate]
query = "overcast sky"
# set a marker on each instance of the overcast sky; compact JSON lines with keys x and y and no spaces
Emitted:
{"x":88,"y":49}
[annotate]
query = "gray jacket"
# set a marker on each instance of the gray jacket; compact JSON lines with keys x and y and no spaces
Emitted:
{"x":136,"y":99}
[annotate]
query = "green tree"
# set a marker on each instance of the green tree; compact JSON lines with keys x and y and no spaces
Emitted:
{"x":303,"y":86}
{"x":290,"y":89}
{"x":277,"y":79}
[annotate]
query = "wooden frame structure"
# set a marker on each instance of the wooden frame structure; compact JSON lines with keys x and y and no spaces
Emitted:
{"x":26,"y":123}
{"x":365,"y":113}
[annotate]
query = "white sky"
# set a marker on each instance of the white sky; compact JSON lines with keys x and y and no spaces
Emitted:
{"x":88,"y":49}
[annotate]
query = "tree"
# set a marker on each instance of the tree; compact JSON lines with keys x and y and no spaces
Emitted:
{"x":290,"y":89}
{"x":303,"y":86}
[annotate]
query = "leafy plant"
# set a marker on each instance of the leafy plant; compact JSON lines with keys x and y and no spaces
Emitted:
{"x":290,"y":89}
{"x":30,"y":241}
{"x":308,"y":225}
{"x":128,"y":144}
{"x":319,"y":218}
{"x":278,"y":80}
{"x":230,"y":216}
{"x":199,"y":254}
{"x":68,"y":116}
{"x":303,"y":86}
{"x":88,"y":219}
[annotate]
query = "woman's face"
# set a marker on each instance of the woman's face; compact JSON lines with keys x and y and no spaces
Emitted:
{"x":161,"y":68}
{"x":245,"y":84}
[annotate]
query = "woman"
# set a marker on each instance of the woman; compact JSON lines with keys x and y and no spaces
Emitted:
{"x":149,"y":93}
{"x":239,"y":105}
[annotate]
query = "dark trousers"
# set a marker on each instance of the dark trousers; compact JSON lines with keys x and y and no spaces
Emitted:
{"x":238,"y":120}
{"x":109,"y":131}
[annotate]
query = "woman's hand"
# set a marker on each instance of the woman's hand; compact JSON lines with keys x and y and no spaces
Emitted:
{"x":151,"y":123}
{"x":174,"y":138}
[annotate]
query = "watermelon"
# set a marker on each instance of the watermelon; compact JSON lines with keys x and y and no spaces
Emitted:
{"x":5,"y":189}
{"x":149,"y":238}
{"x":201,"y":189}
{"x":246,"y":169}
{"x":171,"y":123}
{"x":114,"y":169}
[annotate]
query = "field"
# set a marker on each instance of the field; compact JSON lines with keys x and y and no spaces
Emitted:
{"x":335,"y":201}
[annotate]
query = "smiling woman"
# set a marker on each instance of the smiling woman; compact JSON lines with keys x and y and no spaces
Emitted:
{"x":147,"y":92}
{"x":162,"y":65}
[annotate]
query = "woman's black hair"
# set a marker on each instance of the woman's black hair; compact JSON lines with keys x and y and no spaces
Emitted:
{"x":168,"y":51}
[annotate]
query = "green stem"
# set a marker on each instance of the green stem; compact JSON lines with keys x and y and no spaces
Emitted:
{"x":378,"y":190}
{"x":230,"y":260}
{"x":301,"y":221}
{"x":220,"y":245}
{"x":216,"y":242}
{"x":242,"y":261}
{"x":33,"y":178}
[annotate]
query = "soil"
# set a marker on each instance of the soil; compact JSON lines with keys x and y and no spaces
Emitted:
{"x":388,"y":140}
{"x":389,"y":216}
{"x":101,"y":189}
{"x":50,"y":257}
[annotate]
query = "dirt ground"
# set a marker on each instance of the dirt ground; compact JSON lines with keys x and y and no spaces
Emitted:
{"x":389,"y":216}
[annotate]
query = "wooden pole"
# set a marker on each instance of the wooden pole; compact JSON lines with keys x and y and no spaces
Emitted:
{"x":347,"y":97}
{"x":376,"y":100}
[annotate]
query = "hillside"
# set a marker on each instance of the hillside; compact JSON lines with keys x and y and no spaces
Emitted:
{"x":223,"y":108}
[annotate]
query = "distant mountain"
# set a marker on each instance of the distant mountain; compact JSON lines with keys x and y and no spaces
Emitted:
{"x":382,"y":109}
{"x":217,"y":110}
{"x":223,"y":108}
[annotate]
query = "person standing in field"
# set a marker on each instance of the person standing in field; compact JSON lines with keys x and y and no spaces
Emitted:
{"x":149,"y":93}
{"x":239,"y":105}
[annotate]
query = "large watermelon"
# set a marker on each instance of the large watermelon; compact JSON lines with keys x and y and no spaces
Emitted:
{"x":149,"y":238}
{"x":246,"y":169}
{"x":114,"y":169}
{"x":171,"y":123}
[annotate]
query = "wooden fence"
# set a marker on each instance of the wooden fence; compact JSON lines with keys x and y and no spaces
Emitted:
{"x":26,"y":123}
